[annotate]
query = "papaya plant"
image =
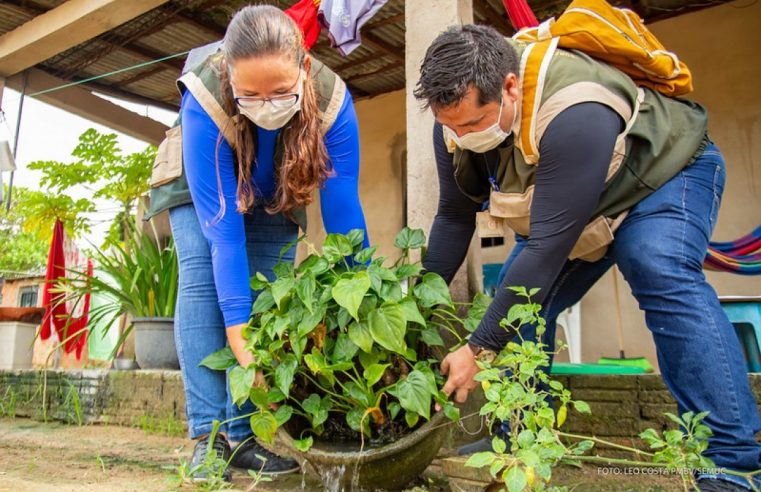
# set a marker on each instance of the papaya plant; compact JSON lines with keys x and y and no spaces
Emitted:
{"x":347,"y":344}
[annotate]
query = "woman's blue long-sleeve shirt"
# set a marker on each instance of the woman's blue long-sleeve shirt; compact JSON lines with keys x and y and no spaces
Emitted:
{"x":339,"y":198}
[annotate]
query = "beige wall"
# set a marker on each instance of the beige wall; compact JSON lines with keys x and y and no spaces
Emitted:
{"x":720,"y":45}
{"x":383,"y":150}
{"x":12,"y":288}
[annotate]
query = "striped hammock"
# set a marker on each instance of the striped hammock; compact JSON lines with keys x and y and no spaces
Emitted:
{"x":742,"y":256}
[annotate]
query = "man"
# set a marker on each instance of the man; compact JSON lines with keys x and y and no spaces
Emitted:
{"x":612,"y":156}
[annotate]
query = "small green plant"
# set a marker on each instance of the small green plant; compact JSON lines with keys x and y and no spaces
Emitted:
{"x":520,"y":393}
{"x":256,"y":476}
{"x":208,"y":475}
{"x":343,"y":345}
{"x":168,"y":425}
{"x":100,"y":461}
{"x":71,"y":406}
{"x":8,"y":403}
{"x":212,"y":468}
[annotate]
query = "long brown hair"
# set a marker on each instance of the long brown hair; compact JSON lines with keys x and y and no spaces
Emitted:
{"x":263,"y":30}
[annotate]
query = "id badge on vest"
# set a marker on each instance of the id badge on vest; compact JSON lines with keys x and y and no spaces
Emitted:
{"x":488,"y":225}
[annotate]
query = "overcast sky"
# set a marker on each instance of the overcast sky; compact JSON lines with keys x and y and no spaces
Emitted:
{"x":49,"y":133}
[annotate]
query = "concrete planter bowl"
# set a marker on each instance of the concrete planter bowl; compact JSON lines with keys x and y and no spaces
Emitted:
{"x":388,"y":467}
{"x":154,"y":343}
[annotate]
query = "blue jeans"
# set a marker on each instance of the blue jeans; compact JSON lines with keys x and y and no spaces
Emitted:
{"x":660,"y":248}
{"x":199,"y":327}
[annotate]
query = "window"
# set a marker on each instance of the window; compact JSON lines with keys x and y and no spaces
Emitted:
{"x":491,"y":242}
{"x":28,"y":296}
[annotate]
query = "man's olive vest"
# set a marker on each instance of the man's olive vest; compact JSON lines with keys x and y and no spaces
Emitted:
{"x":661,"y":137}
{"x":169,"y":187}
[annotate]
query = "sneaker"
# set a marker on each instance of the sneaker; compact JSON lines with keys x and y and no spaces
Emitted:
{"x":200,"y":470}
{"x":250,"y":455}
{"x":484,"y":444}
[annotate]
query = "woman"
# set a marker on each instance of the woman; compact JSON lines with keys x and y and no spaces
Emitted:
{"x":263,"y":126}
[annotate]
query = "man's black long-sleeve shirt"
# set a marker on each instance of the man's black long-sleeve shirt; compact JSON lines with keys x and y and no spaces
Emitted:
{"x":575,"y":153}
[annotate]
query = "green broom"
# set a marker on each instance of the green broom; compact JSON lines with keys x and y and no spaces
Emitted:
{"x":622,"y":360}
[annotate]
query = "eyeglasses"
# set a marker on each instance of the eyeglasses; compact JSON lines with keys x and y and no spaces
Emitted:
{"x":281,"y":101}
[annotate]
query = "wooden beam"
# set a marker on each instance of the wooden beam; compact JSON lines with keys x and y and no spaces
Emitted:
{"x":359,"y":61}
{"x":140,"y":76}
{"x":378,"y":43}
{"x":117,"y":92}
{"x":386,"y":68}
{"x":87,"y":105}
{"x":394,"y":19}
{"x":64,"y":27}
{"x":208,"y":27}
{"x":33,"y":8}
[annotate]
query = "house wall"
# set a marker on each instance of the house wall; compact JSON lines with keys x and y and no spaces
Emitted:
{"x":720,"y":46}
{"x":383,"y":150}
{"x":12,"y":288}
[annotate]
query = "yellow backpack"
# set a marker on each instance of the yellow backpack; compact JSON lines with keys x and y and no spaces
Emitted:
{"x":613,"y":35}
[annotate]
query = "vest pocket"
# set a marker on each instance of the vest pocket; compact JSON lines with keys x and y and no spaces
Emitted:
{"x":168,"y":163}
{"x":489,"y":226}
{"x":513,"y":208}
{"x":595,"y":238}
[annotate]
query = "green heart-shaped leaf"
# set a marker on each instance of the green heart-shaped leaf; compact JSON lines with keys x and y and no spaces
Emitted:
{"x":348,"y":292}
{"x":388,"y":326}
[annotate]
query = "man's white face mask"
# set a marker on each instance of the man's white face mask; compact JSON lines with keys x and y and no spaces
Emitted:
{"x":483,"y":140}
{"x":274,"y":112}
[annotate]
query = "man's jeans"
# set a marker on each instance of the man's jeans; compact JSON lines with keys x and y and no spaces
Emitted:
{"x":660,"y":248}
{"x":199,"y":328}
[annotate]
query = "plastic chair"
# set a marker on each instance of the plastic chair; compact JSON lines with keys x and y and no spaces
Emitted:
{"x":744,"y":312}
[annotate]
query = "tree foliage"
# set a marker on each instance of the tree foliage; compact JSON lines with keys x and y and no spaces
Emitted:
{"x":100,"y":168}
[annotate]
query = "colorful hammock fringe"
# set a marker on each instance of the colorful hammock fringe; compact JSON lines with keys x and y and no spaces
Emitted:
{"x":742,"y":256}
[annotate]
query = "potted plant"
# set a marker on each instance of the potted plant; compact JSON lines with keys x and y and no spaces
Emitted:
{"x":350,"y":349}
{"x":141,"y":277}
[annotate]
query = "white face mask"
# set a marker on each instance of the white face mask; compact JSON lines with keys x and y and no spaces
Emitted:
{"x":484,"y":140}
{"x":270,"y":116}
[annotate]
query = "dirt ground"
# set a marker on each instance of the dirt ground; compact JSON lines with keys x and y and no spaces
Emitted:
{"x":42,"y":457}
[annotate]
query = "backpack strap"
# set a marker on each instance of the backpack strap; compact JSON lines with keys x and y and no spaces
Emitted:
{"x":534,"y":66}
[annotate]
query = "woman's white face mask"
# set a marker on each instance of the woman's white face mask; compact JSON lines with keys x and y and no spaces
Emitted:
{"x":272,"y":113}
{"x":483,"y":140}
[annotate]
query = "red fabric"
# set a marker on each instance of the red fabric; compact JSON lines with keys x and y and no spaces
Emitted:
{"x":304,"y":13}
{"x":520,"y":14}
{"x":55,"y":311}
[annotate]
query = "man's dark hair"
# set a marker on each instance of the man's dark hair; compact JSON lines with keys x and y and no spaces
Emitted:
{"x":464,"y":55}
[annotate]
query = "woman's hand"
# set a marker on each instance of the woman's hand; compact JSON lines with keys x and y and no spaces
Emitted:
{"x":245,"y":358}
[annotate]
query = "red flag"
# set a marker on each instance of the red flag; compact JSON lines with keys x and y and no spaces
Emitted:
{"x":56,"y":311}
{"x":304,"y":13}
{"x":520,"y":14}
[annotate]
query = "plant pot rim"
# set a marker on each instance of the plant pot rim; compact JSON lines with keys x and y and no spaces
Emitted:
{"x":161,"y":319}
{"x":367,"y":455}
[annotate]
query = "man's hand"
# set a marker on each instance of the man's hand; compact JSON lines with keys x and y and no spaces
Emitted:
{"x":461,"y":367}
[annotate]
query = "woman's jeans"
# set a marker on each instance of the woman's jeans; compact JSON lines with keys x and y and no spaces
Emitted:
{"x":199,"y":328}
{"x":660,"y":248}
